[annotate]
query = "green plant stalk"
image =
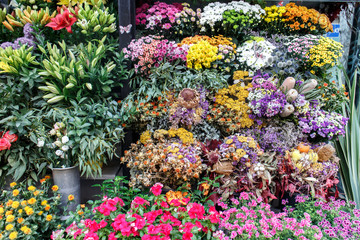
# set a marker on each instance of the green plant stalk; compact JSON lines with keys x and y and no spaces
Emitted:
{"x":348,"y":147}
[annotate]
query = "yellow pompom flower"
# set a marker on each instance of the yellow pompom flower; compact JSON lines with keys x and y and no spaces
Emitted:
{"x":23,"y":203}
{"x":55,"y":188}
{"x":15,"y":192}
{"x":9,"y":227}
{"x":1,"y":210}
{"x":47,"y":207}
{"x":13,"y":235}
{"x":20,"y":220}
{"x":31,"y":188}
{"x":13,"y":184}
{"x":44,"y":202}
{"x":31,"y":201}
{"x":48,"y":218}
{"x":29,"y":211}
{"x":40,"y":213}
{"x":26,"y":230}
{"x":15,"y":204}
{"x":10,"y":218}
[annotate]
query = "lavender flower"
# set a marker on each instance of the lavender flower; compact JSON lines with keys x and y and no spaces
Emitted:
{"x":265,"y":99}
{"x":320,"y":123}
{"x":28,"y":39}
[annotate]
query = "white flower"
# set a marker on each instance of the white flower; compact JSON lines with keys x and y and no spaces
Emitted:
{"x":59,"y":153}
{"x":40,"y":142}
{"x":64,"y":139}
{"x":65,"y":148}
{"x":58,"y":143}
{"x":52,"y":132}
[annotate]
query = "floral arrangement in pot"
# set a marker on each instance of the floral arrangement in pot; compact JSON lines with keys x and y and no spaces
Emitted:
{"x":171,"y":156}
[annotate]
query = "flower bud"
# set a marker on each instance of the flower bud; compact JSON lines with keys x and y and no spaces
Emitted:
{"x":291,"y":95}
{"x":288,"y":109}
{"x":288,"y":84}
{"x":309,"y":86}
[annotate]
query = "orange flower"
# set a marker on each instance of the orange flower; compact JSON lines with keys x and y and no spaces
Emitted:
{"x":55,"y":188}
{"x":71,"y":197}
{"x":325,"y":84}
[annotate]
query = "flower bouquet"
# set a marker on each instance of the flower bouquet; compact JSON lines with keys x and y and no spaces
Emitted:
{"x":171,"y":157}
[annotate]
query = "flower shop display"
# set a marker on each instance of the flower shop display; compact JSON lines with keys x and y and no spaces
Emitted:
{"x":25,"y":206}
{"x":235,"y":105}
{"x":277,"y":95}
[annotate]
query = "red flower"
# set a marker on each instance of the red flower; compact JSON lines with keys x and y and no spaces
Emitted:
{"x":138,"y":201}
{"x":156,"y":189}
{"x":4,"y":144}
{"x":196,"y":211}
{"x":11,"y":137}
{"x":112,"y":236}
{"x":64,"y":20}
{"x":91,"y":236}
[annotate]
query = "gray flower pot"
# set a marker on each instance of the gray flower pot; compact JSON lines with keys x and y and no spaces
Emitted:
{"x":68,"y":181}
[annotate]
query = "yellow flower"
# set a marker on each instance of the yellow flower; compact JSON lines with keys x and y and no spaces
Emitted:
{"x":13,"y":235}
{"x":71,"y":197}
{"x":296,"y":155}
{"x":29,"y":211}
{"x":26,"y":230}
{"x":80,"y":212}
{"x":10,"y":212}
{"x":36,"y":193}
{"x":20,"y":211}
{"x":13,"y":184}
{"x":31,"y":188}
{"x":20,"y":220}
{"x":15,"y":204}
{"x":9,"y":227}
{"x":229,"y":141}
{"x":23,"y":203}
{"x":55,"y":188}
{"x":8,"y":204}
{"x":40,"y":213}
{"x":15,"y":192}
{"x":47,"y":207}
{"x":48,"y":218}
{"x":145,"y":136}
{"x":10,"y":218}
{"x":31,"y":201}
{"x":1,"y":210}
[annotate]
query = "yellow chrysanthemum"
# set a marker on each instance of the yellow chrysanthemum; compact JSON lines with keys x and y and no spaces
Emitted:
{"x":31,"y":201}
{"x":26,"y":230}
{"x":48,"y":218}
{"x":10,"y":218}
{"x":15,"y":192}
{"x":9,"y":227}
{"x":13,"y":235}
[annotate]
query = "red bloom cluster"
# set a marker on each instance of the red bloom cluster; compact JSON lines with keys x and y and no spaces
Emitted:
{"x":147,"y":220}
{"x":6,"y":140}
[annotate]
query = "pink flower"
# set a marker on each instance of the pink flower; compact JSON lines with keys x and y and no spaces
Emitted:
{"x":156,"y":189}
{"x":196,"y":211}
{"x":112,"y":236}
{"x":138,"y":201}
{"x":187,"y":236}
{"x":91,"y":236}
